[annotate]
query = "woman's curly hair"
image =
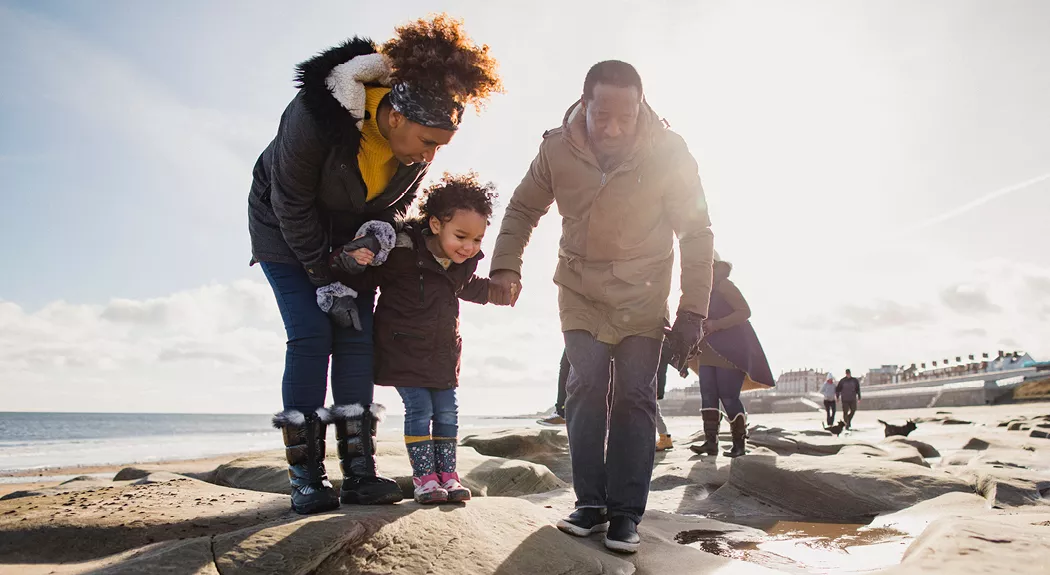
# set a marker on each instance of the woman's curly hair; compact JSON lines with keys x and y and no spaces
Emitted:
{"x":438,"y":52}
{"x":457,"y":192}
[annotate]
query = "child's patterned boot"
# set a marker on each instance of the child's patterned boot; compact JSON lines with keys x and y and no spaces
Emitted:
{"x":427,"y":485}
{"x":445,"y":457}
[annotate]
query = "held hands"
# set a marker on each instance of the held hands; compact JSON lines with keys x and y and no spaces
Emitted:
{"x":362,"y":256}
{"x":684,"y":339}
{"x":504,"y":287}
{"x":354,"y":257}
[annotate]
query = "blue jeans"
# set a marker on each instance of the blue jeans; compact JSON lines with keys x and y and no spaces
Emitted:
{"x":313,"y":338}
{"x":424,"y":405}
{"x":612,"y":443}
{"x":721,"y":384}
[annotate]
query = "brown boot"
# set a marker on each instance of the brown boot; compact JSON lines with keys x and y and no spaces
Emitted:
{"x":712,"y":420}
{"x":738,"y":427}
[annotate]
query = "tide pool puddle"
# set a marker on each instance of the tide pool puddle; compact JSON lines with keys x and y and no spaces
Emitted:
{"x":808,"y":547}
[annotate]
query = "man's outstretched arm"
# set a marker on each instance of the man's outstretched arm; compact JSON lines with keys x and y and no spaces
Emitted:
{"x":531,"y":200}
{"x":686,"y":208}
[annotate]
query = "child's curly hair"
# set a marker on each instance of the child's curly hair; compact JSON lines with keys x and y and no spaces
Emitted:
{"x":457,"y":192}
{"x":438,"y":52}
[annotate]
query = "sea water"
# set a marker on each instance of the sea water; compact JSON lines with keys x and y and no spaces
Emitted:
{"x":45,"y":440}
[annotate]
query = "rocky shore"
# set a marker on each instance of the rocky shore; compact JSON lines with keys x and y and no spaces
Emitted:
{"x":967,"y":492}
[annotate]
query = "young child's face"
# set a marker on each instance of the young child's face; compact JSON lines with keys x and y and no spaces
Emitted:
{"x":459,"y":239}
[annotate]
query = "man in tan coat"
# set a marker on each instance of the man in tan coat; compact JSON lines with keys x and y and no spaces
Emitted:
{"x":625,"y":185}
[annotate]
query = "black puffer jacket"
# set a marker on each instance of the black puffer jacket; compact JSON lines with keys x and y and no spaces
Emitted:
{"x":307,"y":193}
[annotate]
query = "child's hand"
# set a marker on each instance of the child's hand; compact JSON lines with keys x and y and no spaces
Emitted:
{"x":363,"y":256}
{"x":494,"y":295}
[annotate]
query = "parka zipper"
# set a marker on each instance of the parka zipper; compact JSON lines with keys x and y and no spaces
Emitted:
{"x":404,"y":335}
{"x":420,"y":266}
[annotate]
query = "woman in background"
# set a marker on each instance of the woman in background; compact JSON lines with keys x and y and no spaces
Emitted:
{"x":730,"y":360}
{"x":830,"y":396}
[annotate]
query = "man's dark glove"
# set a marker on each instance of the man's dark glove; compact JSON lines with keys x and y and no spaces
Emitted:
{"x":684,"y":340}
{"x":666,"y":353}
{"x":319,"y":273}
{"x":343,"y":261}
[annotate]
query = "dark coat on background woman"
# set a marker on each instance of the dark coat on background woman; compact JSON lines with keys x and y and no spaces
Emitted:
{"x":731,"y":342}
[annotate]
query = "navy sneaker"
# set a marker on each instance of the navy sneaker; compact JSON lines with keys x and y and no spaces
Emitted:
{"x":623,"y":535}
{"x":584,"y":521}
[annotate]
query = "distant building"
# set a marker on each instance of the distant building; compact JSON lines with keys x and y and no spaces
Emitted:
{"x":946,"y":367}
{"x":882,"y":375}
{"x":801,"y":380}
{"x":1012,"y":360}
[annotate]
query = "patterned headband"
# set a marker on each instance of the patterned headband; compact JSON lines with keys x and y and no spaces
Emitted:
{"x":425,"y":106}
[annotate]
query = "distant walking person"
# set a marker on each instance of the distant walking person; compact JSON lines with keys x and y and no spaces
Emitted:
{"x":558,"y":417}
{"x":848,"y":390}
{"x":663,"y":437}
{"x":730,"y":360}
{"x":830,"y":394}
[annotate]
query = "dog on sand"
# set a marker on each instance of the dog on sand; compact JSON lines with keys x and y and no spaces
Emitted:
{"x":902,"y":430}
{"x":836,"y":429}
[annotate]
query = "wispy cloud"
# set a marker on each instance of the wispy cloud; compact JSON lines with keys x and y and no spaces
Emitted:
{"x":968,"y":299}
{"x":978,"y":202}
{"x":884,"y":314}
{"x":945,"y":311}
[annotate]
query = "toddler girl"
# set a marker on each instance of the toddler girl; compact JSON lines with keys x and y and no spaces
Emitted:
{"x":416,"y":325}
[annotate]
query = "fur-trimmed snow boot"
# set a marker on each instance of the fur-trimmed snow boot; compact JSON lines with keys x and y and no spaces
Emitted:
{"x":355,"y":432}
{"x":304,"y":447}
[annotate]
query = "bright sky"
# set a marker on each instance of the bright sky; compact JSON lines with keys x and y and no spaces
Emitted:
{"x":878,"y":172}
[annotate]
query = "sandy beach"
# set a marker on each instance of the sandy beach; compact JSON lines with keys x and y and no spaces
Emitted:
{"x":802,"y":501}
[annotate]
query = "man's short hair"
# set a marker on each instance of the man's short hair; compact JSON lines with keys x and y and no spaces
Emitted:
{"x":613,"y":73}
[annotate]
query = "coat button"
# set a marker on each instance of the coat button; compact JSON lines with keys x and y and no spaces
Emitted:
{"x":342,"y":166}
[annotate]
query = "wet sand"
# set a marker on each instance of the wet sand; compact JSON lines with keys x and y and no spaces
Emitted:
{"x":30,"y":479}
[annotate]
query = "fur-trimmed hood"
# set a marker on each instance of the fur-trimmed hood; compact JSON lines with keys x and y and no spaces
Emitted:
{"x":306,"y":196}
{"x":325,"y":84}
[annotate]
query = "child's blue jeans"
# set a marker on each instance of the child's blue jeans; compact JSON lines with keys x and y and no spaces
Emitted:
{"x":424,"y":405}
